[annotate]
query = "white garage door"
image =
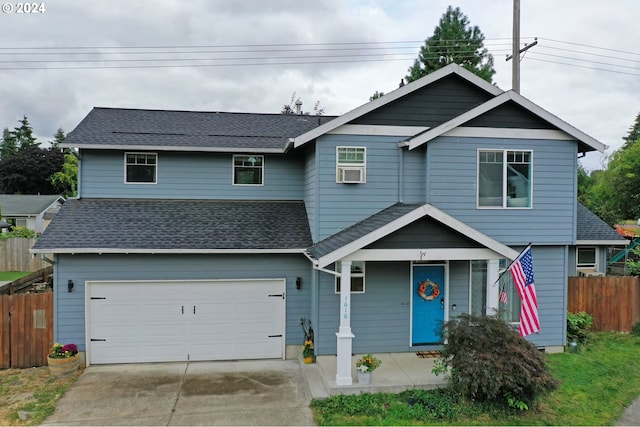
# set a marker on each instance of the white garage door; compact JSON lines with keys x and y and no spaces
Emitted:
{"x":167,"y":321}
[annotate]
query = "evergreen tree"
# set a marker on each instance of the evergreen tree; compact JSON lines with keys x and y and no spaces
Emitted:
{"x":453,"y":41}
{"x":58,"y":138}
{"x":9,"y":145}
{"x":23,"y":135}
{"x":634,"y":134}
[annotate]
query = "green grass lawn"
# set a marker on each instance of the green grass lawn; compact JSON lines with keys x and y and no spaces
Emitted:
{"x":12,"y":275}
{"x":596,"y":384}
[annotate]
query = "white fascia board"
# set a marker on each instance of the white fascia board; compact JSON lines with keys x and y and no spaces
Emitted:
{"x":556,"y":121}
{"x":377,"y":130}
{"x":497,"y":101}
{"x":392,"y":96}
{"x":174,"y":148}
{"x":451,"y":254}
{"x":407,"y":219}
{"x":623,"y":242}
{"x":375,"y":235}
{"x":162,"y":251}
{"x":510,"y":133}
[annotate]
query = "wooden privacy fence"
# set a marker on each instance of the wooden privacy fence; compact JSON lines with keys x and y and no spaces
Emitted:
{"x":15,"y":256}
{"x":613,"y":301}
{"x":26,"y":329}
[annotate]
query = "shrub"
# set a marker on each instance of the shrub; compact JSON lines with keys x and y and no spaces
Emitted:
{"x":578,"y":325}
{"x":18,"y":232}
{"x":490,"y":362}
{"x":636,"y":329}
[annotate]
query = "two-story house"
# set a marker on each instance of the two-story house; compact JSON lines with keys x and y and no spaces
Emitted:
{"x":210,"y":235}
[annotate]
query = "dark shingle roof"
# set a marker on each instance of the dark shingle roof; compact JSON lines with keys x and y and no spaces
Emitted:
{"x":118,"y":225}
{"x":157,"y":129}
{"x":28,"y":205}
{"x":591,"y":227}
{"x":360,"y":229}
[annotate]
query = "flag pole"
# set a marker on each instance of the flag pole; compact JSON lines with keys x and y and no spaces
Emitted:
{"x":512,"y":262}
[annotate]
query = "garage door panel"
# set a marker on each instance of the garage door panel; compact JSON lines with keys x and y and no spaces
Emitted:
{"x":202,"y":320}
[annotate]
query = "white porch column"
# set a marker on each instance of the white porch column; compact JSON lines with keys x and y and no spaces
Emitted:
{"x":493,"y":288}
{"x":345,"y":337}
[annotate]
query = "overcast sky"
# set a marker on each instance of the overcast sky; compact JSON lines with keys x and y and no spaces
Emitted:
{"x":229,"y":55}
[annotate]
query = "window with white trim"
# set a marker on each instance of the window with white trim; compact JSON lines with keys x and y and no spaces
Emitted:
{"x":17,"y":222}
{"x":504,"y":178}
{"x":351,"y":165}
{"x":509,"y":311}
{"x":248,"y":170}
{"x":357,"y":277}
{"x":478,"y":287}
{"x":140,"y":168}
{"x":586,"y":258}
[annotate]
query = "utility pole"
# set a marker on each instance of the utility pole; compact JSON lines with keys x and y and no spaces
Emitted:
{"x":515,"y":51}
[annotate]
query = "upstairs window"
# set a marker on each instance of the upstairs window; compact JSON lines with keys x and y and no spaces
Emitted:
{"x":248,"y":170}
{"x":357,"y":277}
{"x":140,"y":168}
{"x":351,"y":165}
{"x":504,"y":179}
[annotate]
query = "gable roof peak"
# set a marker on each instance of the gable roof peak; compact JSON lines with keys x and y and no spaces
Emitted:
{"x":403,"y":90}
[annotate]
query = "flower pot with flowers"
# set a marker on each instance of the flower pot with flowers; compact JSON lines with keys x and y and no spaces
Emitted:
{"x":308,"y":354}
{"x":63,"y":360}
{"x":365,"y":366}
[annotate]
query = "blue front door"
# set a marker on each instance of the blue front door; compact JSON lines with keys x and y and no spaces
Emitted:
{"x":428,"y":301}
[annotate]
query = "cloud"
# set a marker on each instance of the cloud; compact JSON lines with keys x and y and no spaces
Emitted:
{"x":603,"y":104}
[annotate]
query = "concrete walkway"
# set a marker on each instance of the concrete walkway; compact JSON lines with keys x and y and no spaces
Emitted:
{"x":398,"y":372}
{"x":631,"y":415}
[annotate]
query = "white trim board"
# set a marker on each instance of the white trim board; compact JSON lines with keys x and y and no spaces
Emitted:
{"x":420,"y":212}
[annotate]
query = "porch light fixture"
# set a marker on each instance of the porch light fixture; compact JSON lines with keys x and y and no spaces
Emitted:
{"x":453,"y":307}
{"x":298,"y":282}
{"x":70,"y":285}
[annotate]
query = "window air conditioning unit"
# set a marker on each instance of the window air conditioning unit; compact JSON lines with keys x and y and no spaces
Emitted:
{"x":590,"y":273}
{"x":351,"y":175}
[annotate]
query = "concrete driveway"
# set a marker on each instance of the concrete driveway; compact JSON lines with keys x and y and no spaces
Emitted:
{"x":264,"y":392}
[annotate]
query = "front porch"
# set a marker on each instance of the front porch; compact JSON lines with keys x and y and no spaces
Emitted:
{"x":398,"y":372}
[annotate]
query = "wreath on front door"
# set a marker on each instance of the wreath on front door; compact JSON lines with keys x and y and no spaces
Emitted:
{"x":428,"y":290}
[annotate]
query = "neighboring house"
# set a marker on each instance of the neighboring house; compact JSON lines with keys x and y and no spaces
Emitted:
{"x":594,"y":238}
{"x":209,"y":236}
{"x":32,"y":211}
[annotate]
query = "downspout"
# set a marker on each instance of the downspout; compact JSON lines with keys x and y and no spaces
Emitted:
{"x":401,"y":176}
{"x":46,"y":259}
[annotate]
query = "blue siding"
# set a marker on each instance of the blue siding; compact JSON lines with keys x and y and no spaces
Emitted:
{"x":380,"y":318}
{"x":414,"y":183}
{"x":459,"y":272}
{"x":551,"y":275}
{"x":341,"y":205}
{"x":190,"y":176}
{"x":70,"y":307}
{"x":311,"y":190}
{"x":452,"y":175}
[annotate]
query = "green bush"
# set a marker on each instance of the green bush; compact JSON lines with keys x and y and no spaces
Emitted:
{"x":18,"y":232}
{"x":488,"y":361}
{"x":578,"y":325}
{"x":636,"y":329}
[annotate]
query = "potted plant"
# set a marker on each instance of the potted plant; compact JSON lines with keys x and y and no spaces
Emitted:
{"x":307,"y":352}
{"x":365,"y":366}
{"x":63,"y":360}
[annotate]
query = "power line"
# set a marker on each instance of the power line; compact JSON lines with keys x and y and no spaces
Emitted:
{"x":582,"y":66}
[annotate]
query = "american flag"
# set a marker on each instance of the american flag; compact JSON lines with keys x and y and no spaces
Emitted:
{"x":522,"y":273}
{"x":503,"y":296}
